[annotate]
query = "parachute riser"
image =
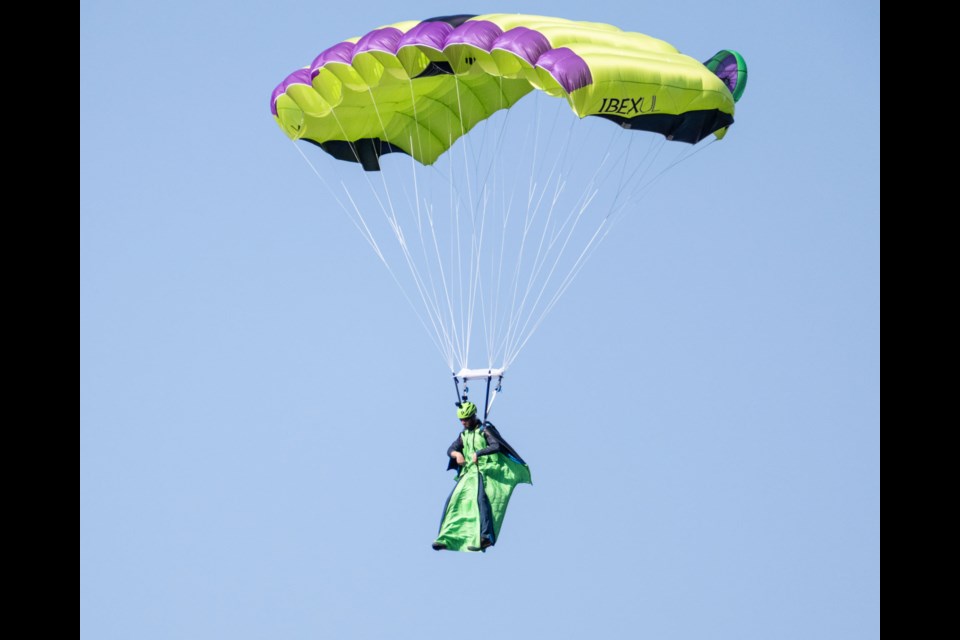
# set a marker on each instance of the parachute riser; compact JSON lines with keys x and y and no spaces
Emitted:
{"x":472,"y":374}
{"x":456,"y":384}
{"x":486,"y":401}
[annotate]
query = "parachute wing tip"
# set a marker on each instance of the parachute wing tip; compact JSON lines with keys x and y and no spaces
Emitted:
{"x":729,"y":66}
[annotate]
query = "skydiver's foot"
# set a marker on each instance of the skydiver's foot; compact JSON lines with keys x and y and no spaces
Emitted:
{"x":484,"y":544}
{"x":438,"y":546}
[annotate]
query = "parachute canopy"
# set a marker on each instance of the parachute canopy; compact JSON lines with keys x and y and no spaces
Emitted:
{"x":416,"y":87}
{"x":492,"y":227}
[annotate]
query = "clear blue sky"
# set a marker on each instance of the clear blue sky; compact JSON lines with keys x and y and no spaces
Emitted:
{"x":263,"y":420}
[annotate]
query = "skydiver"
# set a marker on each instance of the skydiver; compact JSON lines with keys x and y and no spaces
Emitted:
{"x":488,"y":470}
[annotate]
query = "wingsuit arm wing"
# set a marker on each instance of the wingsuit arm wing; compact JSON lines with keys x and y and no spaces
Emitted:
{"x":501,"y":446}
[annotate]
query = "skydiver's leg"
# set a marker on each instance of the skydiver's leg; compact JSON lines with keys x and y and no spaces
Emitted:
{"x":461,"y":519}
{"x":487,"y":535}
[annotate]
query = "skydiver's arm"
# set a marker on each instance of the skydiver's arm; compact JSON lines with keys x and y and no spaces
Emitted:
{"x":493,"y":441}
{"x":456,"y":446}
{"x":455,"y":450}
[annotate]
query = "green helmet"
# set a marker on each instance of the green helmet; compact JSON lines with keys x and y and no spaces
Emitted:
{"x":466,"y":410}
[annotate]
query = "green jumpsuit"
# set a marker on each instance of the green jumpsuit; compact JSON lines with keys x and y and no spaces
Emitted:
{"x":478,"y":503}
